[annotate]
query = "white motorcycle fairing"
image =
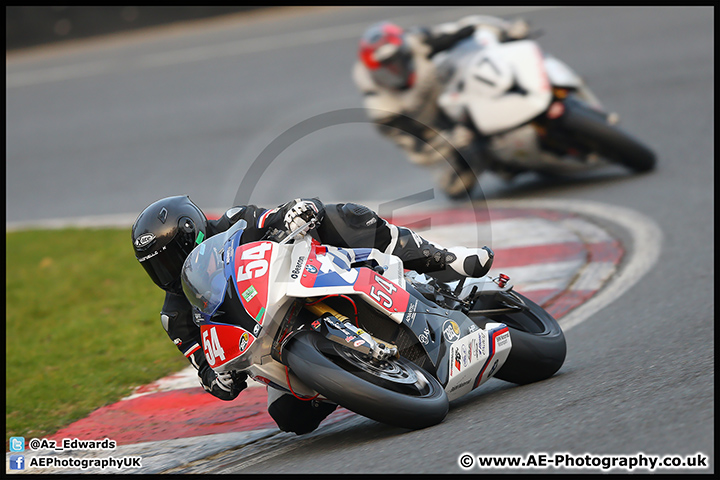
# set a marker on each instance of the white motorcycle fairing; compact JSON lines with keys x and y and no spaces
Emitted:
{"x":268,"y":277}
{"x":504,"y":85}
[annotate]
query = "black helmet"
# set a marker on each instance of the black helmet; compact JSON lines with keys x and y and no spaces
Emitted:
{"x":386,"y":54}
{"x":164,"y":234}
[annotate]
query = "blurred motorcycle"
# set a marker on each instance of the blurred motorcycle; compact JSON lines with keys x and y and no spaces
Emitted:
{"x":534,"y":111}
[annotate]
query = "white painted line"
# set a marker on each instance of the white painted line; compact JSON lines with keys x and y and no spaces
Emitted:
{"x":559,"y":284}
{"x":529,"y":232}
{"x":122,"y":220}
{"x":593,"y":276}
{"x":529,"y":275}
{"x":504,"y":233}
{"x":588,"y":232}
{"x":641,"y":255}
{"x":185,"y":378}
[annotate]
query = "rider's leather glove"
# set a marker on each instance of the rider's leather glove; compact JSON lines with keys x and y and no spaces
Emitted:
{"x":225,"y":386}
{"x":300,"y":214}
{"x":518,"y":29}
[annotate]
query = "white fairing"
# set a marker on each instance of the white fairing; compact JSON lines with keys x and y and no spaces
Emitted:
{"x":560,"y":75}
{"x":337,"y":261}
{"x":476,"y":357}
{"x":501,"y":86}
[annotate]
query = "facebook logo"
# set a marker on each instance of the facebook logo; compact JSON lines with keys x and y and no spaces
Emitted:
{"x":17,"y":462}
{"x":17,"y":444}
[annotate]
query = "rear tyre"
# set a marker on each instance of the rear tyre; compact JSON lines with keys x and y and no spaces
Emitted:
{"x":396,"y":391}
{"x":538,"y":343}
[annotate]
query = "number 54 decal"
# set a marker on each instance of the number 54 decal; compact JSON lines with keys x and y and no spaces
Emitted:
{"x":384,"y":293}
{"x":383,"y":296}
{"x":211,"y":345}
{"x":259,"y":264}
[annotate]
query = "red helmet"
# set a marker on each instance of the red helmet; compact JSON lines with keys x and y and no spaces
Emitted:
{"x":386,"y":54}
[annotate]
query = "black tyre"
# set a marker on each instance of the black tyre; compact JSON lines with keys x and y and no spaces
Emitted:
{"x":396,"y":392}
{"x":538,"y":343}
{"x":591,"y":129}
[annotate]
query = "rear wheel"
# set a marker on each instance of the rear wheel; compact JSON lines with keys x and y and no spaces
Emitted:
{"x":538,"y":343}
{"x":591,"y":129}
{"x":393,"y":391}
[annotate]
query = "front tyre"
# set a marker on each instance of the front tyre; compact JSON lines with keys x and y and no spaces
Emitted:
{"x":396,"y":391}
{"x":591,"y":129}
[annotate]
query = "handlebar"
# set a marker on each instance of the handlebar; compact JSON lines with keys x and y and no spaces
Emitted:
{"x":301,"y":230}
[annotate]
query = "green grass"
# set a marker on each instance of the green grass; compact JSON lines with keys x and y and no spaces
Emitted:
{"x":83,"y":327}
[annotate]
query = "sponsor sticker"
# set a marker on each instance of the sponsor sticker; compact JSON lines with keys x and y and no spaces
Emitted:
{"x":482,"y":338}
{"x":411,"y":313}
{"x":451,"y":331}
{"x":297,"y":268}
{"x":244,"y":339}
{"x":249,"y":293}
{"x":144,"y":239}
{"x":460,"y":385}
{"x":425,"y":336}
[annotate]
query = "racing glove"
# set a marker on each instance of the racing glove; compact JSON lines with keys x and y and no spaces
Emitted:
{"x":518,"y":29}
{"x":225,"y":386}
{"x":300,"y":214}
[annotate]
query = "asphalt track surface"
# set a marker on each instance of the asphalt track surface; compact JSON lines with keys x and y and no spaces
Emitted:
{"x":104,"y":129}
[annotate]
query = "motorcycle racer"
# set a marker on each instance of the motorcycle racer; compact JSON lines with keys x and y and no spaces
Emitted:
{"x":401,"y":85}
{"x":166,"y":231}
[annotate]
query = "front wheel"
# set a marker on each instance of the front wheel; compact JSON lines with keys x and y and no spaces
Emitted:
{"x":394,"y":391}
{"x":591,"y":129}
{"x":538,"y":343}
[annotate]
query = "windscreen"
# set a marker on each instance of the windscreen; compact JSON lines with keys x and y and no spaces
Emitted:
{"x":203,"y":273}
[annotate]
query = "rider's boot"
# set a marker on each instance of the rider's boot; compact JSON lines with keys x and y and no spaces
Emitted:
{"x":292,"y":414}
{"x":423,"y":256}
{"x":458,"y":180}
{"x":457,"y":186}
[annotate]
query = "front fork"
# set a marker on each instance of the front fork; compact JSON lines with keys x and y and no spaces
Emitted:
{"x":337,"y":327}
{"x":549,"y":126}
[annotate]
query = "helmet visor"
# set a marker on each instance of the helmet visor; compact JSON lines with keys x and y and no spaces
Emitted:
{"x":164,"y":266}
{"x":395,"y":72}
